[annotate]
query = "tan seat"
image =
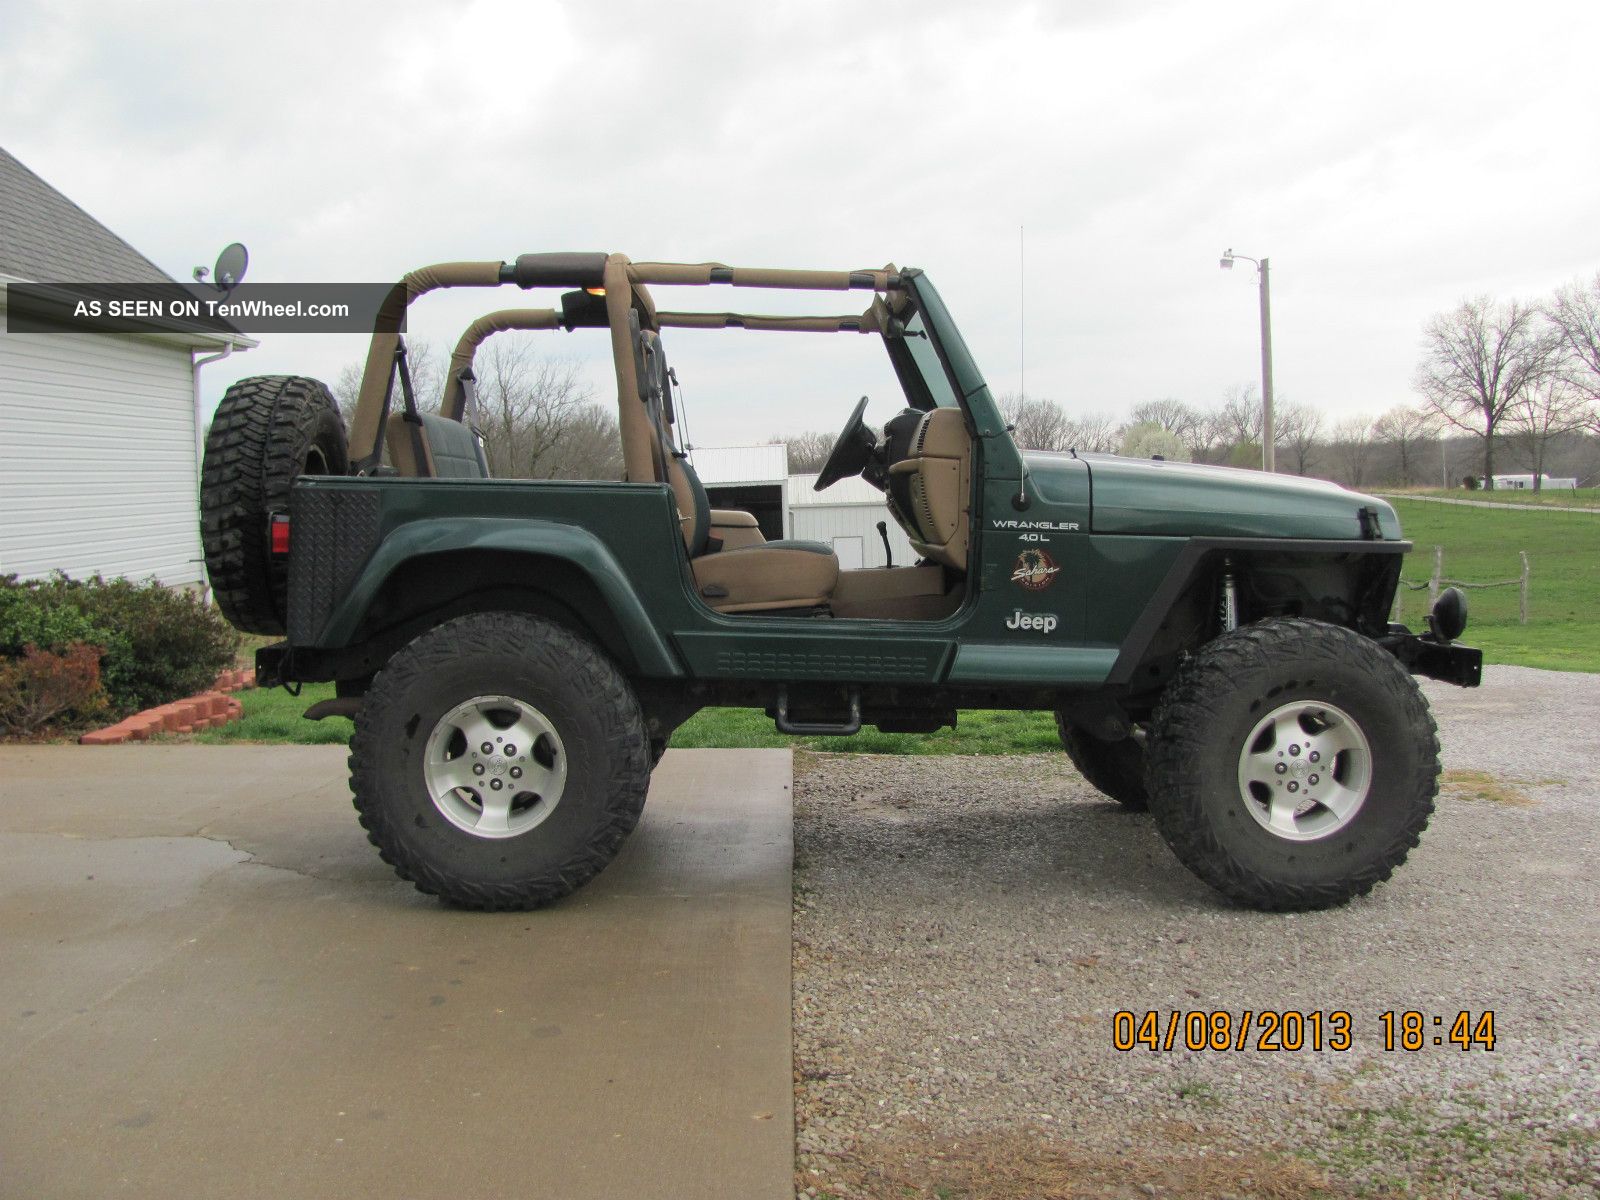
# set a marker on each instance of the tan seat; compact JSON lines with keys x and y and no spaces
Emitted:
{"x":773,"y":576}
{"x":933,"y":488}
{"x":753,"y":576}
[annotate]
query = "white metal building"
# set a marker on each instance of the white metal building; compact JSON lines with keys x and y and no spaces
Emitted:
{"x":846,"y":517}
{"x":750,"y":478}
{"x":99,"y":433}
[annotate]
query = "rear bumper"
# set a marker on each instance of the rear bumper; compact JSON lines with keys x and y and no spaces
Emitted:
{"x":1447,"y":661}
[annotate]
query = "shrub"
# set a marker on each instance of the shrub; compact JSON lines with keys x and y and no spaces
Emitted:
{"x":157,"y":644}
{"x":42,"y":686}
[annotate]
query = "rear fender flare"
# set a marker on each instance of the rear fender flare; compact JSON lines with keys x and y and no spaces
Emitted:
{"x":535,"y":539}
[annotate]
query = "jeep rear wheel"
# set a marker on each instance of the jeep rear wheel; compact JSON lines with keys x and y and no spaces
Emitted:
{"x":499,"y":761}
{"x":1114,"y":769}
{"x":268,"y":431}
{"x":1292,"y":765}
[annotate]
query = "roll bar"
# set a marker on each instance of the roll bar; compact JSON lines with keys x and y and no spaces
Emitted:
{"x":622,"y":284}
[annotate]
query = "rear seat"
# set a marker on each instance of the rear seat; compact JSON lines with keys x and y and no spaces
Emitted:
{"x":448,"y":448}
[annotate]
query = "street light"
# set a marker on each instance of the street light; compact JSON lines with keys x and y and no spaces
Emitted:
{"x":1269,"y":457}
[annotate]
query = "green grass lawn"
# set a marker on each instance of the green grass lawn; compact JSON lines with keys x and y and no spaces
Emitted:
{"x":1481,"y":545}
{"x":1580,"y":498}
{"x":273,"y":715}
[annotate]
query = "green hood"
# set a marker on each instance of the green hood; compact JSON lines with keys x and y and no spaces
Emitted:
{"x":1173,"y":499}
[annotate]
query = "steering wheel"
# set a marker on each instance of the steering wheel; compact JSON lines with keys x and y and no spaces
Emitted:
{"x":851,"y":452}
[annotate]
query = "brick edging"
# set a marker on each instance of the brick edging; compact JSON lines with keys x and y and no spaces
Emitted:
{"x":189,"y":715}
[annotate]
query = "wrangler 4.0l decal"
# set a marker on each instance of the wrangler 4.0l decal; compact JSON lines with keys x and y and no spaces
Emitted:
{"x":1043,"y":622}
{"x":1013,"y":523}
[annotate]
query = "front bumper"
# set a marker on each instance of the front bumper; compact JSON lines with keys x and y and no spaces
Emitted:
{"x":1422,"y":654}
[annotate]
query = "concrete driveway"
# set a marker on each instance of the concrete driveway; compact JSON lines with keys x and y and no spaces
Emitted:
{"x":210,"y":986}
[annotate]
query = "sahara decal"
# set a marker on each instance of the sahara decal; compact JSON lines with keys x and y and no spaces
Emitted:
{"x":1035,"y":570}
{"x":1013,"y":523}
{"x":1042,"y":622}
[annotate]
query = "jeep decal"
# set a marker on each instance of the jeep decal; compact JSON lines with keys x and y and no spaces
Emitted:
{"x":1042,"y":622}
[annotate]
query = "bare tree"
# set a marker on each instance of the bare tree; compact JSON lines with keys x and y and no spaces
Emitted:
{"x":1575,"y":313}
{"x":807,"y":451}
{"x":1352,"y":446}
{"x":1093,"y":433}
{"x":1296,"y":429}
{"x":1171,"y":414}
{"x":1544,"y":412}
{"x":1238,"y":424}
{"x":1478,"y":360}
{"x":1405,"y":428}
{"x":1037,"y":424}
{"x":590,"y":447}
{"x":527,"y":404}
{"x":426,"y":367}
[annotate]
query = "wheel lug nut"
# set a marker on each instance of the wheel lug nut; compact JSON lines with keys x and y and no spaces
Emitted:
{"x":516,"y":772}
{"x":1281,"y":768}
{"x":1315,"y":756}
{"x":510,"y":749}
{"x":1314,"y":780}
{"x":495,"y":785}
{"x":488,"y":747}
{"x":477,"y":768}
{"x":1293,"y":787}
{"x":1294,"y":750}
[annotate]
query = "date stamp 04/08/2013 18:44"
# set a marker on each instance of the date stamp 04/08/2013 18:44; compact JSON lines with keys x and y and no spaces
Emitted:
{"x":1291,"y":1030}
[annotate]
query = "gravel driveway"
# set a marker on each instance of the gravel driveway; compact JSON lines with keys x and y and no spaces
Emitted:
{"x":965,"y":929}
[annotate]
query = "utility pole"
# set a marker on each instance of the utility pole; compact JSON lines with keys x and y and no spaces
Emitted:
{"x":1269,"y":450}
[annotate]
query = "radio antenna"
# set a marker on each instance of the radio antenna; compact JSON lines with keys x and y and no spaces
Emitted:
{"x":1022,"y":305}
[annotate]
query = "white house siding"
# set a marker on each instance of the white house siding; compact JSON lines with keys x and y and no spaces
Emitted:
{"x":97,"y":458}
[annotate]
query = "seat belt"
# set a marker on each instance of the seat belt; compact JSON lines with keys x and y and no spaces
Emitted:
{"x":413,"y":419}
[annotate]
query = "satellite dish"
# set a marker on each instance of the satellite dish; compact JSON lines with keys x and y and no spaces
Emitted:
{"x":231,"y":264}
{"x":230,"y":269}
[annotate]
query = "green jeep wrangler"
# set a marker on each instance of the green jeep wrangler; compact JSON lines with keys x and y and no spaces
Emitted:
{"x":1215,"y":644}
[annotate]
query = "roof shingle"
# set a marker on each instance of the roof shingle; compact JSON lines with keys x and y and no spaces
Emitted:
{"x":46,"y":238}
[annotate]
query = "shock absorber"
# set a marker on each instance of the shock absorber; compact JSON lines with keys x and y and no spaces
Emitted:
{"x":1229,"y":613}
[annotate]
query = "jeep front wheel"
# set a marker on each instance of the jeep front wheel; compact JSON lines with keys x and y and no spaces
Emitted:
{"x":499,"y":761}
{"x":1292,"y":765}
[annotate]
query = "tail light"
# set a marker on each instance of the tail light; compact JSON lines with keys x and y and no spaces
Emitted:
{"x":278,"y":533}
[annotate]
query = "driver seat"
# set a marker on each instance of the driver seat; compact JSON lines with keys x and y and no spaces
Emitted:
{"x":768,"y":577}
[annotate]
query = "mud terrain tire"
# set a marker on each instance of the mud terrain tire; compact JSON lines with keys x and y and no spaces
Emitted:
{"x":1234,"y":735}
{"x":553,"y":690}
{"x":1114,"y":769}
{"x":268,"y":430}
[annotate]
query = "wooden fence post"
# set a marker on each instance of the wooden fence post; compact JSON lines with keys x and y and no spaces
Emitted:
{"x":1438,"y":574}
{"x":1525,"y":572}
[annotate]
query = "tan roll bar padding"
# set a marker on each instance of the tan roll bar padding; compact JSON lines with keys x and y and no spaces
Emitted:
{"x":365,"y":433}
{"x":699,"y":275}
{"x":638,"y":434}
{"x":496,"y":322}
{"x":866,"y":323}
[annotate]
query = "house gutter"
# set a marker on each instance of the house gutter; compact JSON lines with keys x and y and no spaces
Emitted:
{"x":199,"y":444}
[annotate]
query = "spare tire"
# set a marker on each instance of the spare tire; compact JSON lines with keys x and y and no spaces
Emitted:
{"x":268,"y":430}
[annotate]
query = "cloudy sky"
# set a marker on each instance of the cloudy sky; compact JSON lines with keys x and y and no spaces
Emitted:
{"x":1391,"y":159}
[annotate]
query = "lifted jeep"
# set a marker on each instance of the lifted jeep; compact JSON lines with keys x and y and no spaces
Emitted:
{"x":1215,"y":644}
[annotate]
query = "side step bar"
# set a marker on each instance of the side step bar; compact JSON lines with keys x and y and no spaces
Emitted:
{"x":850,"y":725}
